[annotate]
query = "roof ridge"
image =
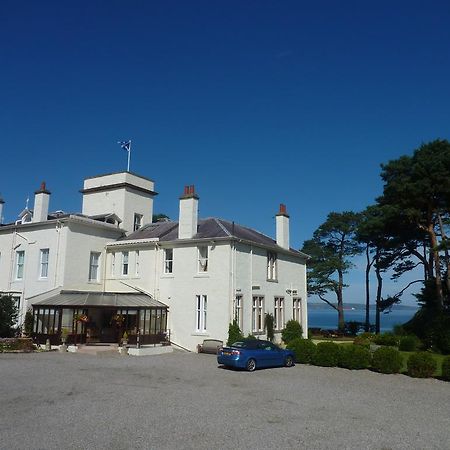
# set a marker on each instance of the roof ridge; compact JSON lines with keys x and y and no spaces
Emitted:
{"x":222,"y":226}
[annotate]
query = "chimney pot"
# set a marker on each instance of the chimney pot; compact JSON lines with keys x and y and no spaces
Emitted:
{"x":186,"y":190}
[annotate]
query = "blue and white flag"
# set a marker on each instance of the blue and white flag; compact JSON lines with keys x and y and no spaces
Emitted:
{"x":126,"y":145}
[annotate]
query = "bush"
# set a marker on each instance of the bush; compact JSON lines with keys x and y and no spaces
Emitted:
{"x":388,"y":339}
{"x":234,"y":333}
{"x":354,"y":357}
{"x":16,"y":344}
{"x":268,"y":325}
{"x":8,"y":316}
{"x":446,"y":368}
{"x":303,"y":349}
{"x":364,"y":339}
{"x":293,"y":330}
{"x":409,"y":343}
{"x":421,"y":365}
{"x":387,"y":360}
{"x":353,"y":327}
{"x":326,"y":354}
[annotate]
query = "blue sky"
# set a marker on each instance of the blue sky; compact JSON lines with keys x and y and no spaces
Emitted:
{"x":256,"y":102}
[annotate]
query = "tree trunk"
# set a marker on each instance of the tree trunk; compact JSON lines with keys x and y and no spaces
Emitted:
{"x":379,"y":291}
{"x":437,"y":268}
{"x":368,"y":265}
{"x":340,"y":302}
{"x":447,"y":258}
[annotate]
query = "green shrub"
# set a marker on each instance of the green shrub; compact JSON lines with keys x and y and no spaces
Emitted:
{"x":354,"y":357}
{"x":303,"y":349}
{"x":421,"y":365}
{"x":234,"y":333}
{"x":443,"y":340}
{"x":292,"y":330}
{"x":387,"y":360}
{"x":388,"y":339}
{"x":268,"y":325}
{"x":364,"y":339}
{"x":28,"y":322}
{"x":409,"y":343}
{"x":446,"y":368}
{"x":399,"y":330}
{"x":326,"y":354}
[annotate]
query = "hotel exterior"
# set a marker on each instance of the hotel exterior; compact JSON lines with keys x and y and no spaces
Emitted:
{"x":94,"y":275}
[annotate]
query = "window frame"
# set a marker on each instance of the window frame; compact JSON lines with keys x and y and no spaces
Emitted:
{"x":168,"y":262}
{"x":272,"y":266}
{"x":20,"y":264}
{"x":43,"y":264}
{"x":201,"y":305}
{"x":238,"y":310}
{"x":202,"y":261}
{"x":257,"y":313}
{"x":125,"y":264}
{"x":137,"y":223}
{"x":96,"y":266}
{"x":297,"y":309}
{"x":278,"y":313}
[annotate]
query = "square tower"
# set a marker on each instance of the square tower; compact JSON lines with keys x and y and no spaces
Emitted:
{"x":125,"y":194}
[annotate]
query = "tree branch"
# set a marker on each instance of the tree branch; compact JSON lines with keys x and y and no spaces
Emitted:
{"x":327,"y":302}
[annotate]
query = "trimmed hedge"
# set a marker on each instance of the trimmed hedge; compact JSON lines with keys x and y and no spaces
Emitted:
{"x":326,"y":354}
{"x":303,"y":349}
{"x":409,"y":343}
{"x":387,"y":360}
{"x":388,"y":339}
{"x":446,"y":368}
{"x":421,"y":365}
{"x":354,"y":357}
{"x":16,"y":345}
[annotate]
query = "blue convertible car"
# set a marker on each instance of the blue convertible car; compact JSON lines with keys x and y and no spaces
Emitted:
{"x":254,"y":354}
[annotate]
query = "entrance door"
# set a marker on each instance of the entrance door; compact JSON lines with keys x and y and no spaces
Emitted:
{"x":102,"y":328}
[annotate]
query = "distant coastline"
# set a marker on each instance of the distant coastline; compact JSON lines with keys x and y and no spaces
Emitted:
{"x":359,"y":306}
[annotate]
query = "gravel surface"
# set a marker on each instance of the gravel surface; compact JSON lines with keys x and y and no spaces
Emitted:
{"x":183,"y":401}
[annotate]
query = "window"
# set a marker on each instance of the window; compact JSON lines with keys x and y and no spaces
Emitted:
{"x":137,"y":263}
{"x":200,"y":322}
{"x":168,"y":260}
{"x":93,"y":266}
{"x":43,"y":271}
{"x":124,"y":263}
{"x":137,"y":221}
{"x":238,"y":310}
{"x":278,"y":315}
{"x":113,"y":264}
{"x":257,"y":313}
{"x":297,"y":309}
{"x":20,"y":262}
{"x":271,"y":266}
{"x":203,"y":259}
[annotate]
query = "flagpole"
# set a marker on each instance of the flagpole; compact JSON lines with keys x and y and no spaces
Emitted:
{"x":129,"y":152}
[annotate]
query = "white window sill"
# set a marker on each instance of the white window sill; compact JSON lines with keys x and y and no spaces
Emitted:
{"x":202,"y":275}
{"x":42,"y":279}
{"x":200,"y":333}
{"x":93,"y":282}
{"x":167,"y":275}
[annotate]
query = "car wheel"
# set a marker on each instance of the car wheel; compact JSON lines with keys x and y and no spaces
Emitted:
{"x":251,"y":365}
{"x":289,"y":362}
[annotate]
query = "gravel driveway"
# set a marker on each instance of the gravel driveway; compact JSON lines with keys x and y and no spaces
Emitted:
{"x":184,"y":401}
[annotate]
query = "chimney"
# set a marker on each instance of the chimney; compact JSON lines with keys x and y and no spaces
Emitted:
{"x":282,"y":225}
{"x":2,"y":202}
{"x":188,"y":220}
{"x":41,"y":202}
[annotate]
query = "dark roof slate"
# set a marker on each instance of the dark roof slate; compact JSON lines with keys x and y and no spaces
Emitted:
{"x":209,"y":228}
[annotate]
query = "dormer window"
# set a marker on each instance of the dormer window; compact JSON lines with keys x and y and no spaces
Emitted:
{"x":137,"y":221}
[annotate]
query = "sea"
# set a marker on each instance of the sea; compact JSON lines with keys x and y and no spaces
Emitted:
{"x":326,"y":318}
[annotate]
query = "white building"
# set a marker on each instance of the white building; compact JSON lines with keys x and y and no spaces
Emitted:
{"x":97,"y":274}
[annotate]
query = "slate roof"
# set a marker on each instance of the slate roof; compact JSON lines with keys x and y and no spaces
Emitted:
{"x":209,"y":228}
